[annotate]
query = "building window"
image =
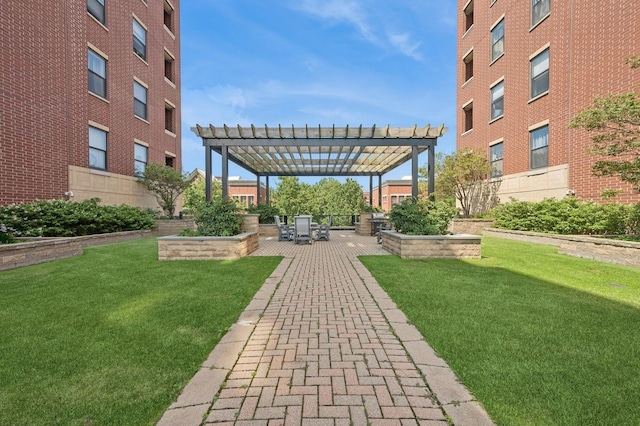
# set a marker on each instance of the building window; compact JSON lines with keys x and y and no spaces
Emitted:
{"x":97,"y":148}
{"x":468,"y":66}
{"x":539,"y":139}
{"x":139,"y":40}
{"x":539,"y":10}
{"x":139,"y":100}
{"x":140,"y":156}
{"x":497,"y":100}
{"x":169,"y":63}
{"x":496,"y":160}
{"x":168,"y":16}
{"x":169,"y":118}
{"x":540,"y":74}
{"x":468,"y":16}
{"x":97,"y":74}
{"x":497,"y":41}
{"x":468,"y":116}
{"x":97,"y":10}
{"x":170,"y":161}
{"x":251,"y":200}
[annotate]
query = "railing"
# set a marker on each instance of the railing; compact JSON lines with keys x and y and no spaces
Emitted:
{"x":344,"y":221}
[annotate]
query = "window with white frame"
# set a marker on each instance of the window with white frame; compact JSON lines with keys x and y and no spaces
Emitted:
{"x":140,"y":159}
{"x":168,"y":15}
{"x":468,"y":66}
{"x":539,"y":140}
{"x":539,"y":10}
{"x":496,"y":159}
{"x":468,"y":16}
{"x":468,"y":116}
{"x":139,"y":40}
{"x":540,"y":74}
{"x":497,"y":41}
{"x":97,"y":148}
{"x":139,"y":100}
{"x":497,"y":100}
{"x":97,"y":74}
{"x":97,"y":10}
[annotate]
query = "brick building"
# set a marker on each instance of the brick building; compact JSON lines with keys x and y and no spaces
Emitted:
{"x":394,"y":191}
{"x":525,"y":68}
{"x":89,"y":94}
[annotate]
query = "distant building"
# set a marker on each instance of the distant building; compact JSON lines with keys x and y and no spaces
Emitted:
{"x":89,"y":95}
{"x":525,"y":69}
{"x":242,"y":190}
{"x":393,"y":192}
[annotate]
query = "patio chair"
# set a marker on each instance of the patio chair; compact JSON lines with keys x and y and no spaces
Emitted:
{"x":302,"y":229}
{"x":323,"y":230}
{"x":285,"y":232}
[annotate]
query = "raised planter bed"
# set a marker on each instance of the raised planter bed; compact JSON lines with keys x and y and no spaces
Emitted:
{"x":596,"y":248}
{"x":32,"y":251}
{"x":207,"y":248}
{"x":460,"y":246}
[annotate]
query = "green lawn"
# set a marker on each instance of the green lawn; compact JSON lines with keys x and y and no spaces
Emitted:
{"x":111,"y":337}
{"x":539,"y":338}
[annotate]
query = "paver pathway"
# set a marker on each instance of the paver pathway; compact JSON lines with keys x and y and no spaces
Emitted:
{"x":323,"y":344}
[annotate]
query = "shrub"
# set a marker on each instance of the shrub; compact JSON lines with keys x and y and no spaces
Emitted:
{"x":6,"y":236}
{"x":566,"y":216}
{"x":265,"y":211}
{"x":59,"y":218}
{"x":422,"y":217}
{"x":219,"y":218}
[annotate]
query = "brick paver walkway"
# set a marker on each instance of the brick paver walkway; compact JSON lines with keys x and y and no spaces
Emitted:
{"x":322,"y":344}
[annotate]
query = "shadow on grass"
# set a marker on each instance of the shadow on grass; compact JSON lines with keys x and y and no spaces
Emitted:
{"x":531,"y":351}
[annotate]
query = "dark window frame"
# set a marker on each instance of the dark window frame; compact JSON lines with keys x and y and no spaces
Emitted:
{"x":139,"y":45}
{"x":140,"y":105}
{"x":497,"y":30}
{"x":468,"y":117}
{"x":540,"y":82}
{"x":496,"y":159}
{"x":539,"y":152}
{"x":97,"y":83}
{"x":540,"y":9}
{"x":96,"y":150}
{"x":98,"y":9}
{"x":140,"y":164}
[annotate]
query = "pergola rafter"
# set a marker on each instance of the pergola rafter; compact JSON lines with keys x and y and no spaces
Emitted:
{"x":319,"y":151}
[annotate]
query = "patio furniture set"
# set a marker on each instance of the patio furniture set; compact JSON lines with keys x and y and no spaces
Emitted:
{"x":303,"y":230}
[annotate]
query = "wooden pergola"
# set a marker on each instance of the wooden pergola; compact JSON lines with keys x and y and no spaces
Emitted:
{"x":318,"y":151}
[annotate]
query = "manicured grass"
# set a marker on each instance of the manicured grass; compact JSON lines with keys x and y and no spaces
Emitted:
{"x":539,"y":338}
{"x":111,"y":337}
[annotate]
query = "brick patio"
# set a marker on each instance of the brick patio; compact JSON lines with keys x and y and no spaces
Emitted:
{"x":322,"y":344}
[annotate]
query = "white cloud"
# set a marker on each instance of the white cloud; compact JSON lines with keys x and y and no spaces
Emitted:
{"x":405,"y":45}
{"x":349,"y":11}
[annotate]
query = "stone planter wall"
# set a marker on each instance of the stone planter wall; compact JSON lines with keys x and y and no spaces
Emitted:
{"x":251,"y":223}
{"x":432,"y":246}
{"x":602,"y":249}
{"x":173,"y":226}
{"x":469,"y":226}
{"x":268,"y":230}
{"x":39,"y":250}
{"x":207,"y":248}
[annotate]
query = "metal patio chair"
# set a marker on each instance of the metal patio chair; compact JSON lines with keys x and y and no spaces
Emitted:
{"x":285,"y":232}
{"x":302,"y":229}
{"x":323,"y":230}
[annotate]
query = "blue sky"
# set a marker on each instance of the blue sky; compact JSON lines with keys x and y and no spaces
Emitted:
{"x":317,"y":62}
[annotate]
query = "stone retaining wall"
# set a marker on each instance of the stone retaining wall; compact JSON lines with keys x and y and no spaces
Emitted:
{"x":469,"y":226}
{"x":173,"y":226}
{"x":602,"y":249}
{"x":432,"y":246}
{"x":207,"y":248}
{"x":268,"y":230}
{"x":39,"y":250}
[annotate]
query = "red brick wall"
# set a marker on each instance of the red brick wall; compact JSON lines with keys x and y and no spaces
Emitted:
{"x":44,"y":97}
{"x":588,"y":44}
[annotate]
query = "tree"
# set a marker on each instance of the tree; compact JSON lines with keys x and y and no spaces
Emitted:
{"x":166,"y":183}
{"x":615,"y":122}
{"x":464,"y":174}
{"x":194,"y":195}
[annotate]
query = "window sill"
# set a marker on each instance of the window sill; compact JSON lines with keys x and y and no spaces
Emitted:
{"x":466,"y":83}
{"x":467,"y":32}
{"x":144,"y":61}
{"x":98,"y":22}
{"x":171,"y":34}
{"x":99,"y":97}
{"x":536,"y":172}
{"x":99,"y":172}
{"x":141,"y":119}
{"x":465,"y":133}
{"x":539,"y":22}
{"x":492,"y":2}
{"x":493,"y":120}
{"x":541,"y":95}
{"x":169,"y":82}
{"x":170,"y":133}
{"x":496,"y":59}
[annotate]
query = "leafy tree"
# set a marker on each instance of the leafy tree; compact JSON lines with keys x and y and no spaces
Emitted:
{"x":443,"y":193}
{"x":195,"y":196}
{"x":615,"y":122}
{"x":292,"y":197}
{"x":166,"y":183}
{"x":464,"y":174}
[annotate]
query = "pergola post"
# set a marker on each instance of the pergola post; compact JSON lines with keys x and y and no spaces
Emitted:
{"x":380,"y":191}
{"x":225,"y":172}
{"x":431,"y":161}
{"x":268,"y":201}
{"x":371,"y":190}
{"x":414,"y":172}
{"x":257,"y":189}
{"x":208,"y":178}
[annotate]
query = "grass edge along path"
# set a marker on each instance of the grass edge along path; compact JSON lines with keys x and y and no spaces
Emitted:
{"x":538,"y":338}
{"x":112,"y":337}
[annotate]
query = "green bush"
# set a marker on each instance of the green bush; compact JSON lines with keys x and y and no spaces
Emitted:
{"x":59,"y":218}
{"x":265,"y":211}
{"x":219,"y":218}
{"x":422,"y":217}
{"x":6,"y":235}
{"x":568,"y":216}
